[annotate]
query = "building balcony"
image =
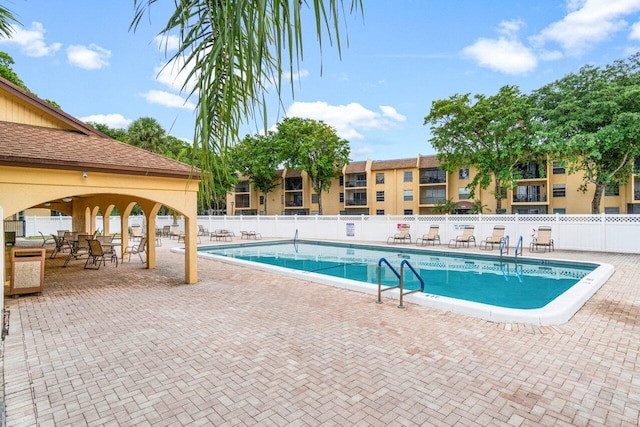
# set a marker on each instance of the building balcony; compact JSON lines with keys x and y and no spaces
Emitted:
{"x":355,"y":203}
{"x":432,"y":180}
{"x":242,"y":188}
{"x":356,"y":183}
{"x":293,"y":204}
{"x":432,"y":200}
{"x":530,"y":198}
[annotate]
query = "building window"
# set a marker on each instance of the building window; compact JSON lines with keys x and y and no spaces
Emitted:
{"x":408,"y":195}
{"x":408,"y":212}
{"x":463,"y":173}
{"x":314,"y":198}
{"x":560,"y":211}
{"x":262,"y":200}
{"x":612,"y":210}
{"x":433,"y":196}
{"x":341,"y":180}
{"x":408,"y":176}
{"x":379,"y":196}
{"x":559,"y":168}
{"x":464,"y":193}
{"x":559,"y":190}
{"x":379,"y":211}
{"x":341,"y":197}
{"x":380,"y":178}
{"x":611,"y":190}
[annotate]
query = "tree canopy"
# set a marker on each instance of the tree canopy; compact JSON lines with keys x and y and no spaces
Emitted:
{"x":232,"y":50}
{"x":592,"y":119}
{"x":491,"y":133}
{"x":258,"y":158}
{"x":315,"y":148}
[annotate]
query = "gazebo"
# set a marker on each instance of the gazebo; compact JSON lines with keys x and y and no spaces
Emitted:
{"x":51,"y":159}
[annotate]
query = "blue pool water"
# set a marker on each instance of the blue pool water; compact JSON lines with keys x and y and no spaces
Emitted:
{"x":527,"y":284}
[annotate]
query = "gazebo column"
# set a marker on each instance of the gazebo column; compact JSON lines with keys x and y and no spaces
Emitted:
{"x":150,"y":213}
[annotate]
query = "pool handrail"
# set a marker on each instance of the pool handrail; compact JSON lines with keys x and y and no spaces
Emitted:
{"x":518,"y":245}
{"x":402,"y":294}
{"x":295,"y":241}
{"x":400,"y":277}
{"x":380,"y":290}
{"x":504,"y":244}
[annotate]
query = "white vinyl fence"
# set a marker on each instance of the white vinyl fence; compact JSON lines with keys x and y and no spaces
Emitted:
{"x":604,"y":233}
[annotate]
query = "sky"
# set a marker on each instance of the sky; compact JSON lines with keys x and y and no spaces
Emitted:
{"x":401,"y":56}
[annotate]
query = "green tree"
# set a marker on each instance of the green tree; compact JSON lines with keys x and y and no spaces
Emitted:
{"x":592,"y":119}
{"x":257,"y":158}
{"x":6,"y":72}
{"x":445,"y":207}
{"x":493,"y":134}
{"x":315,"y":148}
{"x":233,"y":51}
{"x":115,"y":133}
{"x":148,"y":134}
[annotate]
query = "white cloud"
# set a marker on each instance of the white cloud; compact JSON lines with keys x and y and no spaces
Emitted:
{"x":93,"y":57}
{"x":295,"y":76}
{"x":168,"y":99}
{"x":348,"y":120}
{"x":587,"y":23}
{"x":173,"y":75}
{"x":503,"y":55}
{"x":391,"y":112}
{"x":114,"y":120}
{"x":635,"y":31}
{"x":31,"y":41}
{"x":167,"y":43}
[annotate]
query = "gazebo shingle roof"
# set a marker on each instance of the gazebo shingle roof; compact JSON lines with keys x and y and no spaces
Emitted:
{"x":34,"y":146}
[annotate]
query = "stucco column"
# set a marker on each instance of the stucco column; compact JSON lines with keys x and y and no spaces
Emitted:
{"x":191,"y":248}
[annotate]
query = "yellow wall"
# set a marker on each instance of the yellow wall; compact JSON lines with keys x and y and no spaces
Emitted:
{"x":14,"y":110}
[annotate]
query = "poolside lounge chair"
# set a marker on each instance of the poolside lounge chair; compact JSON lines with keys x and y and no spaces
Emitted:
{"x":543,"y":240}
{"x":464,"y":239}
{"x":431,"y":237}
{"x":495,"y":239}
{"x":250,"y":235}
{"x":139,"y":249}
{"x":402,"y":236}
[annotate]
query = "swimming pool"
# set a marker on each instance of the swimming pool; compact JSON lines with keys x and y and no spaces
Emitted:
{"x":534,"y":291}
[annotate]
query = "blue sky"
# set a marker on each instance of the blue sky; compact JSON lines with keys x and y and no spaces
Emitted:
{"x":402,"y":55}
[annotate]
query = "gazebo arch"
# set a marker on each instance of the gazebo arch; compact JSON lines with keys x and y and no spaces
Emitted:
{"x":48,"y":156}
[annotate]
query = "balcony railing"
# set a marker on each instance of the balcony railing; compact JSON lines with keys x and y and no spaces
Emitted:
{"x":242,"y":188}
{"x":356,"y":183}
{"x":529,"y":198}
{"x":432,"y":180}
{"x":356,"y":203}
{"x":293,"y":186}
{"x":432,"y":200}
{"x":242,"y":205}
{"x":293,"y":203}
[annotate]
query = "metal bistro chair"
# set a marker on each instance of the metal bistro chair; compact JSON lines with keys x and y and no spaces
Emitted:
{"x":139,"y":249}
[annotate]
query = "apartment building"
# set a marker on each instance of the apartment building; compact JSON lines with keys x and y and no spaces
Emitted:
{"x":419,"y":186}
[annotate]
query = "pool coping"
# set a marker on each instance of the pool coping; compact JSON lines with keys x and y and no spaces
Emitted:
{"x":556,"y":312}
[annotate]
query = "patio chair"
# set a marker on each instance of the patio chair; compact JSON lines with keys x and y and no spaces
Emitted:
{"x":46,"y":240}
{"x":495,"y":239}
{"x":96,"y":255}
{"x":61,"y":245}
{"x":465,"y":238}
{"x":166,"y":230}
{"x":543,"y":240}
{"x":136,"y":233}
{"x":139,"y":249}
{"x":430,"y":237}
{"x":202,"y":231}
{"x":402,"y":236}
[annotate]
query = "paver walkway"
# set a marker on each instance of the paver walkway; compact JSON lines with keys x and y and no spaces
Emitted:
{"x":130,"y":346}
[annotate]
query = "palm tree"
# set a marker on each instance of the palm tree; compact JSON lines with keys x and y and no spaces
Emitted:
{"x":6,"y":18}
{"x":147,"y":133}
{"x":232,"y":50}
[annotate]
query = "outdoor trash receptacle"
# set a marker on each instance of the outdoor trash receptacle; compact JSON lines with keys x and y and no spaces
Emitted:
{"x":27,"y":270}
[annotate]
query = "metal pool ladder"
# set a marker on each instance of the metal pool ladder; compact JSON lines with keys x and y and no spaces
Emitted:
{"x":504,"y":247}
{"x":400,"y":277}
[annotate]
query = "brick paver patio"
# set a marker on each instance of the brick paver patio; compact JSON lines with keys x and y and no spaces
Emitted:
{"x":130,"y":346}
